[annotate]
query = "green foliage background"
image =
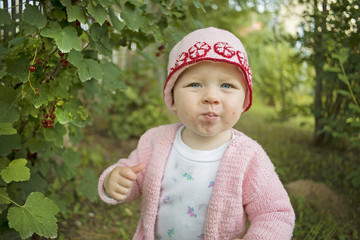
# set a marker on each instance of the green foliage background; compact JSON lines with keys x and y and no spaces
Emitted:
{"x":71,"y":45}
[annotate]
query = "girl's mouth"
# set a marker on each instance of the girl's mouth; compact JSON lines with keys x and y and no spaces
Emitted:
{"x":210,"y":116}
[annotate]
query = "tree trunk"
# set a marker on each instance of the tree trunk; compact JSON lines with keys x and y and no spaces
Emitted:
{"x":319,"y":61}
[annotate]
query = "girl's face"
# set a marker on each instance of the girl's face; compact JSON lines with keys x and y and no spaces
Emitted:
{"x":209,"y":98}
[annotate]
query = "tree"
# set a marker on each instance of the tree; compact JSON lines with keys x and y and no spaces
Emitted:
{"x":331,"y":33}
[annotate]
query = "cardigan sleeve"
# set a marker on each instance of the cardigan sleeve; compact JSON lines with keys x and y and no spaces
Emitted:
{"x":141,"y":154}
{"x":266,"y":201}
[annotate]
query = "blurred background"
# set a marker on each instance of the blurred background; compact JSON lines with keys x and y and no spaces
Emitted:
{"x":305,"y":60}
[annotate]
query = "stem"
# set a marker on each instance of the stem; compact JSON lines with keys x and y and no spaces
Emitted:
{"x":32,"y":63}
{"x":348,"y":84}
{"x":15,"y":6}
{"x":3,"y":196}
{"x":55,"y":72}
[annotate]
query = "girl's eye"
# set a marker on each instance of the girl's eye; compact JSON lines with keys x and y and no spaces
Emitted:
{"x":226,"y":85}
{"x":194,"y":85}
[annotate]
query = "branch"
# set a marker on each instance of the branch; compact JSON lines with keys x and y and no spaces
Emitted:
{"x":348,"y":84}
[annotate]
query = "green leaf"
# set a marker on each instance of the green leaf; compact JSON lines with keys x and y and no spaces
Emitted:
{"x":8,"y":143}
{"x":43,"y":98}
{"x":343,"y":92}
{"x":66,"y":3}
{"x":99,"y":13}
{"x":66,"y":39}
{"x":9,"y":111}
{"x":2,"y":73}
{"x":7,"y":129}
{"x":16,"y":41}
{"x":4,"y":163}
{"x":75,"y":13}
{"x":343,"y":78}
{"x":91,"y":68}
{"x":73,"y":112}
{"x":197,"y":4}
{"x":33,"y":16}
{"x":16,"y":171}
{"x":75,"y":58}
{"x":344,"y":54}
{"x":112,"y":77}
{"x":71,"y":158}
{"x":332,"y":69}
{"x":87,"y":68}
{"x":118,"y":25}
{"x":55,"y":134}
{"x":17,"y":67}
{"x":105,"y":3}
{"x":100,"y":37}
{"x":88,"y":185}
{"x":354,"y":107}
{"x":4,"y":197}
{"x":71,"y":163}
{"x":36,"y":216}
{"x":165,"y":11}
{"x":5,"y":17}
{"x":36,"y":184}
{"x":59,"y":14}
{"x":35,"y":144}
{"x":97,"y":32}
{"x":133,"y":17}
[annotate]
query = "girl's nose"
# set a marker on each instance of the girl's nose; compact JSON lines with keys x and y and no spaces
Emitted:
{"x":211,"y":96}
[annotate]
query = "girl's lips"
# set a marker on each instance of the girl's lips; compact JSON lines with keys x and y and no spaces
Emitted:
{"x":210,"y":116}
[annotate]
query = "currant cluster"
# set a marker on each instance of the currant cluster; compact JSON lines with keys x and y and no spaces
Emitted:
{"x":32,"y":68}
{"x":63,"y":59}
{"x":49,"y":118}
{"x":160,"y":50}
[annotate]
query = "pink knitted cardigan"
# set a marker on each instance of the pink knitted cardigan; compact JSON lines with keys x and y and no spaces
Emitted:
{"x":246,"y":188}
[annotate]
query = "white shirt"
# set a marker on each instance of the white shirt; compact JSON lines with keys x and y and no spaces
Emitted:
{"x":186,"y":189}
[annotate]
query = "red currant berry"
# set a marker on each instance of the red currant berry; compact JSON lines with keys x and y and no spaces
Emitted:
{"x":77,"y":23}
{"x":66,"y":63}
{"x":62,"y":59}
{"x":32,"y":68}
{"x":43,"y":121}
{"x":47,"y":80}
{"x":38,"y":61}
{"x":51,"y":121}
{"x":37,"y":90}
{"x":49,"y":125}
{"x":162,"y":47}
{"x":61,"y":54}
{"x":53,"y":116}
{"x":107,"y":23}
{"x":46,"y":116}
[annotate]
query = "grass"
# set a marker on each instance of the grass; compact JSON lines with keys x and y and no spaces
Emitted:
{"x":288,"y":146}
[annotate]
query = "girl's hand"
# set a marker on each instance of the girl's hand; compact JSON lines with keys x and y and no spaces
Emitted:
{"x":118,"y":183}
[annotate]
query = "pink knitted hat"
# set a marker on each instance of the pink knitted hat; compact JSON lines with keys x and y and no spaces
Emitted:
{"x":210,"y":44}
